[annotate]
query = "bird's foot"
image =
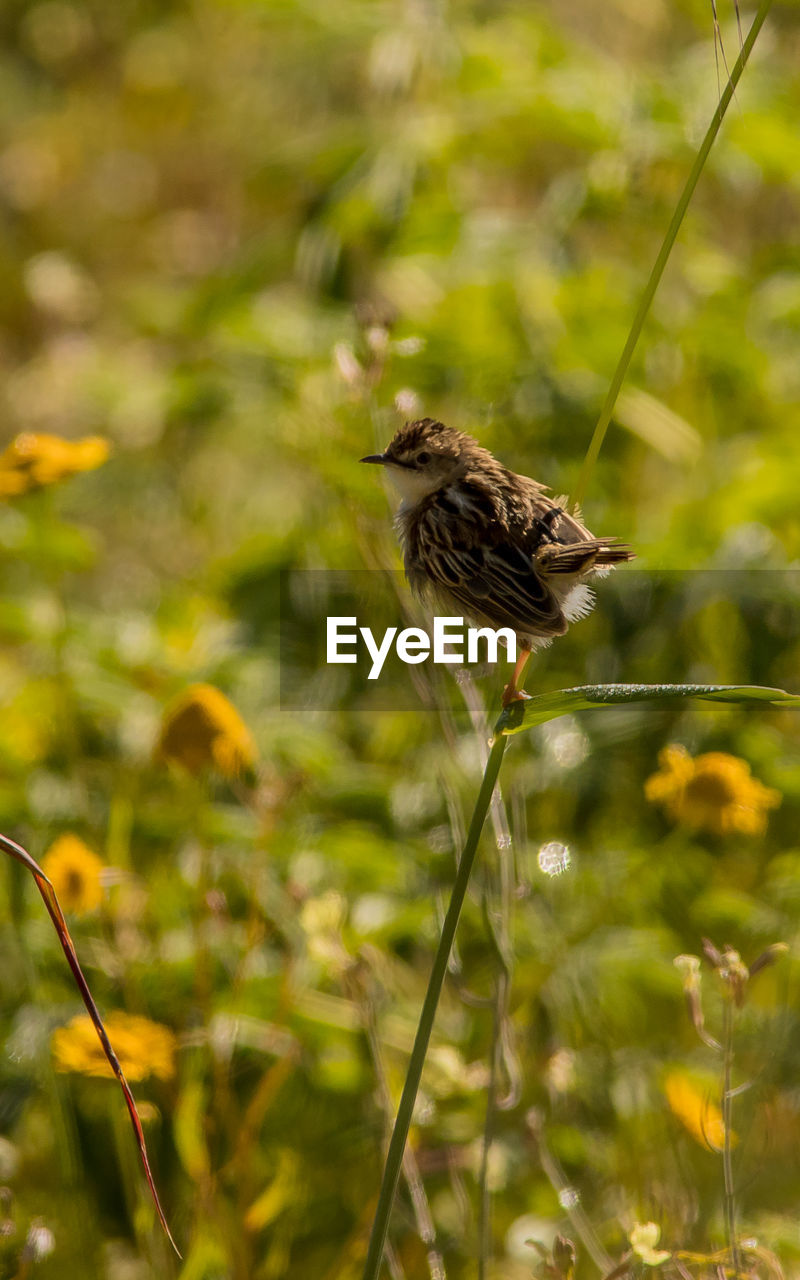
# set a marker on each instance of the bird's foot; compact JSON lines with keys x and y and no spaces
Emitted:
{"x":512,"y":694}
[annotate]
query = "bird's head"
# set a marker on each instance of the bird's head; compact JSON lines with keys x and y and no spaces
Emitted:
{"x":424,"y":456}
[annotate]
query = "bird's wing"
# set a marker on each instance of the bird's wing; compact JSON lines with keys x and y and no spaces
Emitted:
{"x":498,"y":584}
{"x":560,"y":544}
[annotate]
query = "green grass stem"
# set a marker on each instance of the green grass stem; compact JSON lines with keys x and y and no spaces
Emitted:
{"x":596,"y":442}
{"x":394,"y":1158}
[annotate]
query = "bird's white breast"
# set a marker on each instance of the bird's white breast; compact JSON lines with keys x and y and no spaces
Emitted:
{"x":411,"y":485}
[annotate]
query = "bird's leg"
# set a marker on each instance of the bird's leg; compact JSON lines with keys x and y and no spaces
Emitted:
{"x":511,"y":693}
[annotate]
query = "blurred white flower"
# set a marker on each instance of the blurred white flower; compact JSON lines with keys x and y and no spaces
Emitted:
{"x":407,"y":401}
{"x":523,"y":1231}
{"x":347,"y":365}
{"x":554,"y":858}
{"x":409,"y":346}
{"x":560,"y":1071}
{"x":58,"y":286}
{"x":39,"y":1244}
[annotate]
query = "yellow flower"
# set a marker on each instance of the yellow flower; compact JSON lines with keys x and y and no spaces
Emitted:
{"x":203,"y":728}
{"x":695,"y":1111}
{"x":144,"y":1048}
{"x":644,"y":1238}
{"x":714,"y":792}
{"x":35,"y":460}
{"x":74,"y":872}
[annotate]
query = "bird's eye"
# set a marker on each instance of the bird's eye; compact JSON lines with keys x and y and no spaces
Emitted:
{"x":423,"y":458}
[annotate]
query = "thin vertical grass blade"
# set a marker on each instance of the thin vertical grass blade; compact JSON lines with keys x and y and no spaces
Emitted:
{"x":402,"y":1124}
{"x":599,"y":434}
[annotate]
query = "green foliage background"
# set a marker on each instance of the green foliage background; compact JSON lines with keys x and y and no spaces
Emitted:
{"x":233,"y":237}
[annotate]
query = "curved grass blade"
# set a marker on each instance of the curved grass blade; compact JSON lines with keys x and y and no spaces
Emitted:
{"x":529,"y":712}
{"x":48,"y":893}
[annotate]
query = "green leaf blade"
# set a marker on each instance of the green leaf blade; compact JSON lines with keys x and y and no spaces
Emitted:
{"x":528,"y":713}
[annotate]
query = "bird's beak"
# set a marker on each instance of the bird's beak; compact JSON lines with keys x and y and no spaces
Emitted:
{"x":379,"y":458}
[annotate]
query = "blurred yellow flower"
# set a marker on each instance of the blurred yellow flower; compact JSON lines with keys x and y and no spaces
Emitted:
{"x":713,"y":792}
{"x":695,"y":1111}
{"x":644,"y":1238}
{"x":202,"y":728}
{"x":35,"y":460}
{"x":74,"y":872}
{"x":144,"y":1048}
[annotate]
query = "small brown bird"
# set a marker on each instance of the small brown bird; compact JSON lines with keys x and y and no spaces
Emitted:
{"x":480,"y":537}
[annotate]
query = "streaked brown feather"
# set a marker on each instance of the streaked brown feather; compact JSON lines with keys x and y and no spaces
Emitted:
{"x":491,"y":543}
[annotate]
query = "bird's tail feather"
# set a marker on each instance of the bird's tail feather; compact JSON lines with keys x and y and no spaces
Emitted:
{"x":581,"y":557}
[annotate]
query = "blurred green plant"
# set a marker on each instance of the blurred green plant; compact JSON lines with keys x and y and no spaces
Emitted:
{"x":716,"y":1128}
{"x":535,"y":711}
{"x":235,"y":240}
{"x":516,"y":716}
